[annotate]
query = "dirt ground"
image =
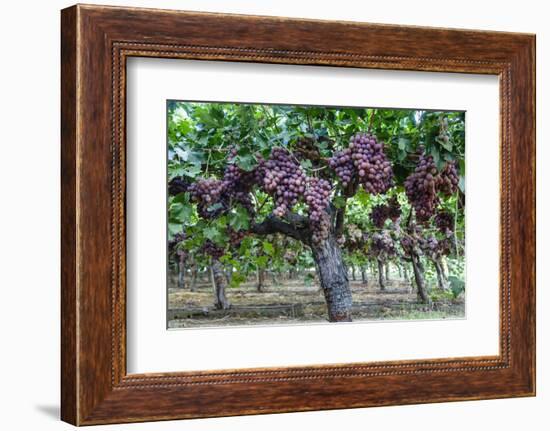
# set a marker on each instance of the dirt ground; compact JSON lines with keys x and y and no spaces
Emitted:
{"x":291,"y":302}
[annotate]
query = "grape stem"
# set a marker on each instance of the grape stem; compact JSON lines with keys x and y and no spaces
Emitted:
{"x":207,"y":164}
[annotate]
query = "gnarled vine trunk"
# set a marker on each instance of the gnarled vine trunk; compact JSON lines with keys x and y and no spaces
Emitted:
{"x":181,"y":270}
{"x":219,"y":282}
{"x":260,"y":279}
{"x":330,"y":267}
{"x":381,"y":281}
{"x":333,"y":277}
{"x":364,"y":277}
{"x":228,"y":274}
{"x":441,"y":279}
{"x":291,"y":273}
{"x":194,"y":276}
{"x":274,"y":278}
{"x":419,"y":279}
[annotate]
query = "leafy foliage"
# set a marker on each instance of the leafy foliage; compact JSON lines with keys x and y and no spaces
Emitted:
{"x":231,"y":167}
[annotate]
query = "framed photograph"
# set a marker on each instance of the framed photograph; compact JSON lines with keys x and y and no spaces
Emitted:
{"x":264,"y":214}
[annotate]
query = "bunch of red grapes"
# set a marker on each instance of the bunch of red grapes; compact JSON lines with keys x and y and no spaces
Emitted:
{"x":381,"y":213}
{"x":448,"y":179}
{"x":212,"y":250}
{"x":236,"y":236}
{"x":364,"y":160}
{"x":206,"y":193}
{"x":394,"y":209}
{"x":435,"y":248}
{"x":420,"y":187}
{"x":236,"y":179}
{"x":215,"y":197}
{"x":284,"y":179}
{"x":317,"y":197}
{"x":444,"y":221}
{"x":382,"y":244}
{"x":424,"y":183}
{"x":343,"y":165}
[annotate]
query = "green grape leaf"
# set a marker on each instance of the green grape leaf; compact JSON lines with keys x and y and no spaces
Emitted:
{"x":239,"y":218}
{"x":268,"y":248}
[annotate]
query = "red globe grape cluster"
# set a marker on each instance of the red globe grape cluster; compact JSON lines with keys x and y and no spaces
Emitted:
{"x":236,"y":179}
{"x":236,"y":236}
{"x":354,"y":238}
{"x":381,"y":213}
{"x":444,"y":221}
{"x":448,"y":179}
{"x":342,"y":163}
{"x":317,"y":197}
{"x":423,"y":184}
{"x":215,"y":197}
{"x":212,"y":250}
{"x":207,"y":193}
{"x":429,"y":245}
{"x":365,"y":160}
{"x":238,"y":184}
{"x":435,"y":248}
{"x":383,"y":245}
{"x":374,"y":169}
{"x":420,"y":187}
{"x":283,"y":178}
{"x":394,"y":209}
{"x":173,"y":243}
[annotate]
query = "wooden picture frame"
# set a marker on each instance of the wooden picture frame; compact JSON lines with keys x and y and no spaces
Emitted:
{"x":95,"y":43}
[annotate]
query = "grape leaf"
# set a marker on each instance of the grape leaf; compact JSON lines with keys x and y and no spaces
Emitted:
{"x":246,"y":162}
{"x":268,"y":247}
{"x":262,"y":261}
{"x":239,"y":218}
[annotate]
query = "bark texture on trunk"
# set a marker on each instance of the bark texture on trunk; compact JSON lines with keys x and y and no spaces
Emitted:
{"x":333,"y":274}
{"x":260,"y":279}
{"x":274,"y":278}
{"x":441,"y":279}
{"x":381,"y":281}
{"x":333,"y":277}
{"x":353,"y":272}
{"x":419,"y":279}
{"x":228,"y":274}
{"x":194,"y":276}
{"x":364,"y":277}
{"x":219,"y":282}
{"x":181,"y":272}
